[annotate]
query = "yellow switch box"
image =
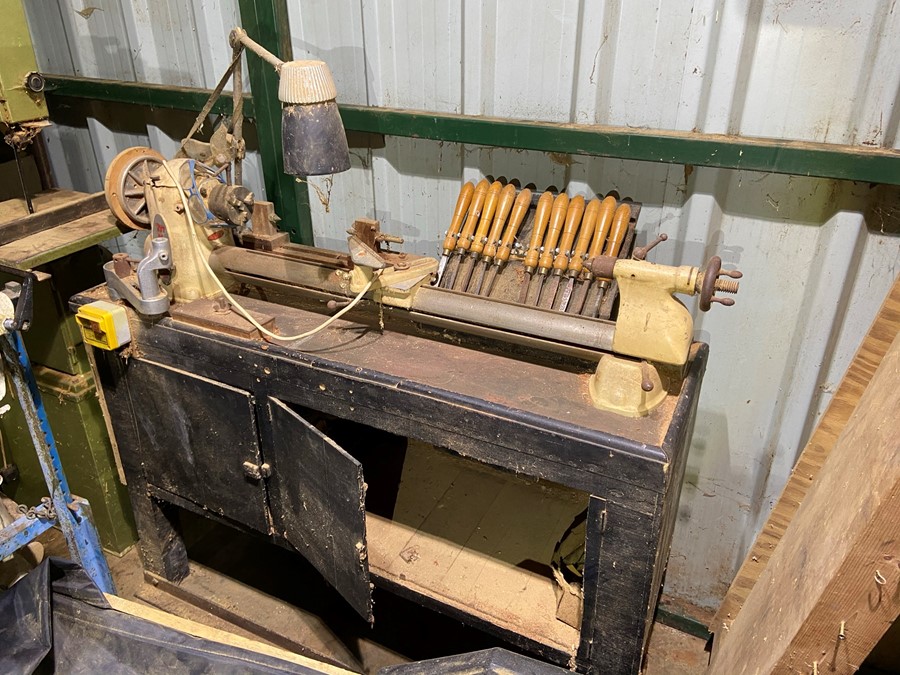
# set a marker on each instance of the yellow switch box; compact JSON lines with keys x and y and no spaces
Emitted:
{"x":103,"y":325}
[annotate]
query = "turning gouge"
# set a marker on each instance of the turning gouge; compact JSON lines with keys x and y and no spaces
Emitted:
{"x":487,"y":216}
{"x":465,"y":236}
{"x":604,"y":221}
{"x":576,"y":261}
{"x":520,"y":208}
{"x":613,"y":246}
{"x":538,"y":228}
{"x":487,"y":249}
{"x":545,"y":262}
{"x":459,"y":213}
{"x":561,"y":261}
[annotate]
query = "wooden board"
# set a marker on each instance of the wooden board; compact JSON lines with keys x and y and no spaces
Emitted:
{"x":838,"y":564}
{"x":244,"y":608}
{"x":43,"y":247}
{"x":90,"y":223}
{"x":13,"y":209}
{"x":479,"y":540}
{"x":862,"y":367}
{"x":207,"y":633}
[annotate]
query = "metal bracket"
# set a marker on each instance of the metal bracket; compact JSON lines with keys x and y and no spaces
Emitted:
{"x":257,"y":471}
{"x":147,"y":297}
{"x":24,"y":296}
{"x":363,"y":254}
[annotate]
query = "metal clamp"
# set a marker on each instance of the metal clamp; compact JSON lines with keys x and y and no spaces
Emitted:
{"x":148,"y":298}
{"x":43,"y":511}
{"x":257,"y":471}
{"x":24,"y":297}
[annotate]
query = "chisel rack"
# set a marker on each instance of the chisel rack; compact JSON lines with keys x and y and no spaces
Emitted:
{"x":527,"y":247}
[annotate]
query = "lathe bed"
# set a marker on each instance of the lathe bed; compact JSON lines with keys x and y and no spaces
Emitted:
{"x":476,"y":461}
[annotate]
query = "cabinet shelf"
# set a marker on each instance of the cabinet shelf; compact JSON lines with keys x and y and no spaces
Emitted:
{"x":478,"y":540}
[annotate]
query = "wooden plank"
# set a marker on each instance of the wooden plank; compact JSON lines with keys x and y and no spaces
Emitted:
{"x":51,"y":216}
{"x":207,"y":633}
{"x":862,"y":367}
{"x":836,"y":569}
{"x":48,"y":245}
{"x":13,"y":209}
{"x":64,"y":222}
{"x":265,"y":617}
{"x":481,"y":540}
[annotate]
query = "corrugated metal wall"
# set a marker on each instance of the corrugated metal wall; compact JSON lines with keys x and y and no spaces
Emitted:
{"x":817,"y":267}
{"x":818,"y":255}
{"x":167,"y":42}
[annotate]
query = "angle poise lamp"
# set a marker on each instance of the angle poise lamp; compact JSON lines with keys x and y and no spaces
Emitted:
{"x":312,"y":134}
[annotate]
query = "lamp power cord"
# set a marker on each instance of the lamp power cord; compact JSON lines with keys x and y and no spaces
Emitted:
{"x":200,"y":253}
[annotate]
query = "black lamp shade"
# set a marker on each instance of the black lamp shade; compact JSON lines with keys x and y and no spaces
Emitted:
{"x":313,"y":139}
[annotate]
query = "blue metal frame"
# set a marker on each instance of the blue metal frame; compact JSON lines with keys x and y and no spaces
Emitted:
{"x":72,"y":514}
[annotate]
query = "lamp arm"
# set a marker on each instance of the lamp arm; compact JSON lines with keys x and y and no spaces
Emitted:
{"x":239,"y":37}
{"x":237,"y":116}
{"x":213,"y":97}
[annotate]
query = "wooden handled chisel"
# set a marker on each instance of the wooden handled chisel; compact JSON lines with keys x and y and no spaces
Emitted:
{"x":465,"y":236}
{"x":613,"y":246}
{"x":538,"y":229}
{"x":576,"y":261}
{"x":487,"y":217}
{"x":561,"y":261}
{"x":459,"y":214}
{"x":604,"y":221}
{"x":488,"y":247}
{"x":520,"y":208}
{"x":548,"y":250}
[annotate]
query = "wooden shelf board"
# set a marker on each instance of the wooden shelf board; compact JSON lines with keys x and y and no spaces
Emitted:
{"x":479,"y":540}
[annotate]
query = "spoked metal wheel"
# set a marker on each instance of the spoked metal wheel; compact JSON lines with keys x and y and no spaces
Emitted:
{"x":124,"y":185}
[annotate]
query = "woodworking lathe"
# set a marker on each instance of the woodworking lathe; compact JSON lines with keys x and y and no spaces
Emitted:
{"x":536,"y":271}
{"x":549,"y":272}
{"x":498,"y":433}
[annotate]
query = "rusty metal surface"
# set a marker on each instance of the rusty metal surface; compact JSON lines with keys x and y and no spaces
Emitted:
{"x":314,"y":255}
{"x":464,"y":308}
{"x":539,"y":322}
{"x":216,"y":314}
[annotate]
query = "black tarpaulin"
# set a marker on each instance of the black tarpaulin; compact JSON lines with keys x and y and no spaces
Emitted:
{"x":494,"y":661}
{"x":55,"y":620}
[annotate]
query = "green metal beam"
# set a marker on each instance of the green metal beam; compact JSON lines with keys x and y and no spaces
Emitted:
{"x":264,"y":21}
{"x":685,"y":624}
{"x":59,"y":87}
{"x":823,"y":160}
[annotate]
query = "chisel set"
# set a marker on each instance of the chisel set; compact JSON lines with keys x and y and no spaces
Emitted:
{"x":531,"y":248}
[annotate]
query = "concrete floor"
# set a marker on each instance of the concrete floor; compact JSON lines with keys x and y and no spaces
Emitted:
{"x":671,"y":652}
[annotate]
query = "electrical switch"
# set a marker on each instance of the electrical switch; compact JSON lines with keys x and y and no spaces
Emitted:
{"x":104,"y":325}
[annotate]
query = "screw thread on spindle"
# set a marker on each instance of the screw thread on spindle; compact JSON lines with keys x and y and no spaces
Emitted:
{"x":727,"y":285}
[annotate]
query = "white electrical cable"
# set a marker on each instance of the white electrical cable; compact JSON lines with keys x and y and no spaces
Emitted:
{"x":198,"y":249}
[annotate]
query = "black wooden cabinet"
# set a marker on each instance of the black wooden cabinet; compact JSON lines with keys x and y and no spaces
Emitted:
{"x":441,"y":472}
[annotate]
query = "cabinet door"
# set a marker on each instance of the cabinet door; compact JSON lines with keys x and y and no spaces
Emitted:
{"x":195,"y":436}
{"x":317,"y":495}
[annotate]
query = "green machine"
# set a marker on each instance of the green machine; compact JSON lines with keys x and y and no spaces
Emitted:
{"x":56,"y":234}
{"x":67,"y":260}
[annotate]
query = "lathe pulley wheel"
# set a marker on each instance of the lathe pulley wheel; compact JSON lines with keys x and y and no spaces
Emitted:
{"x":124,"y":185}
